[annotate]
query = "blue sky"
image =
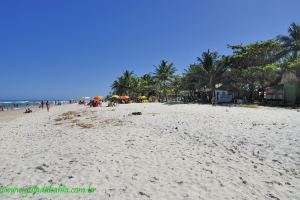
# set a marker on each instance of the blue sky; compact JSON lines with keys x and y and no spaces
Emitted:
{"x":69,"y":48}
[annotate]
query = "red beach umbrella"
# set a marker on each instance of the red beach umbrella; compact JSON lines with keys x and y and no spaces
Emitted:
{"x":98,"y":97}
{"x":124,"y":97}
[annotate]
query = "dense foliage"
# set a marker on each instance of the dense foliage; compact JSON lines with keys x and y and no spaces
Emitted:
{"x":248,"y":71}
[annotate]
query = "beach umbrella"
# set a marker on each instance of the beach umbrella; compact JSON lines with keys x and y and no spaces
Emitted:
{"x":142,"y":97}
{"x":115,"y":97}
{"x":124,"y":97}
{"x":98,"y":97}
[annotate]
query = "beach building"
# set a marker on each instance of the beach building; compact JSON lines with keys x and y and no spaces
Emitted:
{"x":286,"y":91}
{"x":224,"y":96}
{"x":224,"y":93}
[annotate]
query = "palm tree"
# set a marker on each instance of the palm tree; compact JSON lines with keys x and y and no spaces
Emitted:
{"x":164,"y":74}
{"x":117,"y":86}
{"x":136,"y":87}
{"x":147,"y":86}
{"x":124,"y":85}
{"x":177,"y":85}
{"x":291,"y":43}
{"x":191,"y":80}
{"x":212,"y":68}
{"x":129,"y":82}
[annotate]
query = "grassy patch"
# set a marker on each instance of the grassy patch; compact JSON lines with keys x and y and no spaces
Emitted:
{"x":248,"y":105}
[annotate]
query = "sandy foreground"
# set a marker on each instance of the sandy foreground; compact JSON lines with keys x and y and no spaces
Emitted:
{"x":6,"y":116}
{"x":168,"y":152}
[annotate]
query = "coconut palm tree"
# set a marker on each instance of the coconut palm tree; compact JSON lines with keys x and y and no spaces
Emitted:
{"x":177,"y":85}
{"x":117,"y":86}
{"x":124,"y":85}
{"x":211,"y":69}
{"x":147,"y":86}
{"x":164,"y":74}
{"x":291,"y":43}
{"x":130,"y":82}
{"x":190,"y":79}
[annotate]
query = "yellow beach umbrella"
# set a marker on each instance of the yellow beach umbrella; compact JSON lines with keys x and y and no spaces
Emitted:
{"x":115,"y":97}
{"x":142,"y":97}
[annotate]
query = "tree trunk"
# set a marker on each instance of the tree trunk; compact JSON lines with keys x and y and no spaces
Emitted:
{"x":251,"y":90}
{"x":164,"y":91}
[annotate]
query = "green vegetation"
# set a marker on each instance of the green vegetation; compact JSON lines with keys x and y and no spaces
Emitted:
{"x":248,"y":106}
{"x":164,"y":74}
{"x":248,"y":71}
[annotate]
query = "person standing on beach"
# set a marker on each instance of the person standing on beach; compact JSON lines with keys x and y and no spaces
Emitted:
{"x":48,"y":106}
{"x":213,"y":101}
{"x":42,"y":104}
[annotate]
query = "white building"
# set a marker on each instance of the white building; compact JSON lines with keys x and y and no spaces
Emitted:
{"x":223,"y":96}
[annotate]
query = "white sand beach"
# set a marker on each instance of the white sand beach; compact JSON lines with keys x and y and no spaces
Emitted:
{"x":6,"y":116}
{"x":168,"y":152}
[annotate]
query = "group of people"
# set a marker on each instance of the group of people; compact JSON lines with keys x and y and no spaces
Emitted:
{"x":95,"y":103}
{"x":47,"y":105}
{"x":28,"y":110}
{"x":12,"y":106}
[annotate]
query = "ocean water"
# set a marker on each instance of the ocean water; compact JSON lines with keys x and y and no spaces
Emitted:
{"x":18,"y":104}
